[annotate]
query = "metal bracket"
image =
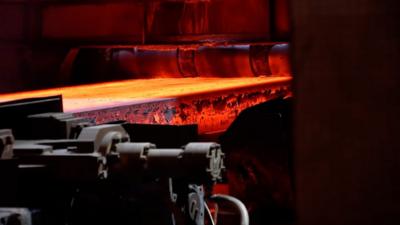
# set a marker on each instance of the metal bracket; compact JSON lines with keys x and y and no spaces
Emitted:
{"x":196,"y":204}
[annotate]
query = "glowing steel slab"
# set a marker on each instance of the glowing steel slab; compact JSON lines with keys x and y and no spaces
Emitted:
{"x":212,"y":103}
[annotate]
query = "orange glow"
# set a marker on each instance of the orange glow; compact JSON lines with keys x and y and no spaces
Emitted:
{"x":212,"y":103}
{"x":83,"y":97}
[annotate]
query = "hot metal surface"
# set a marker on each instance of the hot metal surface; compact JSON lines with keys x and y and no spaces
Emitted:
{"x":212,"y":103}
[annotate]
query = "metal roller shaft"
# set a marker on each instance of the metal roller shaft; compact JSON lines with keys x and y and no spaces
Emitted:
{"x":195,"y":161}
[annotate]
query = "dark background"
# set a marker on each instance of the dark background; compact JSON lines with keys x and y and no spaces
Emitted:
{"x":347,"y":154}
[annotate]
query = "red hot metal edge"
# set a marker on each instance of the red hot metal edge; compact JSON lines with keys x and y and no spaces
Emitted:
{"x":212,"y":103}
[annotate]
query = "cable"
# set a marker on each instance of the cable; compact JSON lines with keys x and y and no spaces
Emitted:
{"x":244,"y":215}
{"x":209,"y":213}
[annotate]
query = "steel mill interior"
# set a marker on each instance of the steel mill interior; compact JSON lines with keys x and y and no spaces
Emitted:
{"x":199,"y":112}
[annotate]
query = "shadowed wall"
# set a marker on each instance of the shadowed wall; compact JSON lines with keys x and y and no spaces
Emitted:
{"x":347,"y":157}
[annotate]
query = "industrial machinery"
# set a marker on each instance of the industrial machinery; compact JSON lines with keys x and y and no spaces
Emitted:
{"x":69,"y":171}
{"x":175,"y":73}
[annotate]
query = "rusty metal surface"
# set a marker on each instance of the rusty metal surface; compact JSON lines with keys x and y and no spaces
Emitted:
{"x":212,"y":103}
{"x":184,"y":61}
{"x":145,"y":21}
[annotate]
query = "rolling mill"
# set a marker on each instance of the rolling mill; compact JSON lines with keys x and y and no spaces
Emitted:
{"x":204,"y":112}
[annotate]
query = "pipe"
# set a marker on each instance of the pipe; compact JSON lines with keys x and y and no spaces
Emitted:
{"x":244,"y":215}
